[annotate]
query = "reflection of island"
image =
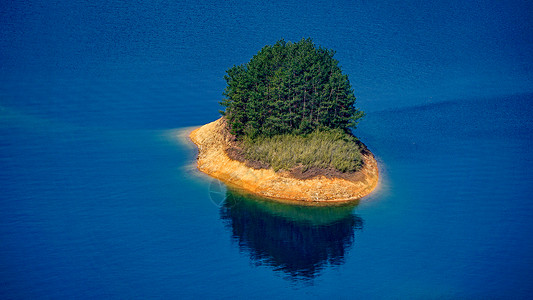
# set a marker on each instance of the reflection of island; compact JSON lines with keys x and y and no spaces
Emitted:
{"x":298,"y":240}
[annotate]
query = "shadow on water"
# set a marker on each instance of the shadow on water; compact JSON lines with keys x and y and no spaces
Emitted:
{"x":298,"y":241}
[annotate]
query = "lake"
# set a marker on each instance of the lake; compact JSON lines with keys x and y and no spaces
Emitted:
{"x":100,"y":197}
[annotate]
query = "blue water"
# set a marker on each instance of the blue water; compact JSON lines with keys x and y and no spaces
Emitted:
{"x":98,"y":198}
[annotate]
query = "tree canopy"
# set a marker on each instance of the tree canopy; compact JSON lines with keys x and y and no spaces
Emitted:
{"x":289,"y":88}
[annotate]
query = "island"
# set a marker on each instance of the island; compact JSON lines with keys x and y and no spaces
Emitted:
{"x":287,"y":129}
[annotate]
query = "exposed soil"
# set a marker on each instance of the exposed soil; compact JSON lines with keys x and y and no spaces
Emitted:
{"x":219,"y":156}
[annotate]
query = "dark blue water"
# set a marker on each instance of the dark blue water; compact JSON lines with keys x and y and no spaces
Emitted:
{"x":98,"y":198}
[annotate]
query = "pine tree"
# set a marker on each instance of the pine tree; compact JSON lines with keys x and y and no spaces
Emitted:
{"x":289,"y":87}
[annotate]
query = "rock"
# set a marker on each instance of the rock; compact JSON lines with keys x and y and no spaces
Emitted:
{"x":213,"y":139}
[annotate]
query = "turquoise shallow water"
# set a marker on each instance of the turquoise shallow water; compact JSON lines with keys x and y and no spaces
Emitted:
{"x":98,"y":198}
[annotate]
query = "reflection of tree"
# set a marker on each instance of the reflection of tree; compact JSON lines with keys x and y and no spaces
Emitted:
{"x":297,"y":240}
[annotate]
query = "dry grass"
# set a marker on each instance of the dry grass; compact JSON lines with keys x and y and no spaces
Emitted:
{"x":322,"y":149}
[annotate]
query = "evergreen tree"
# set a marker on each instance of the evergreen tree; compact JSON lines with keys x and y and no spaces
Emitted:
{"x":289,"y":88}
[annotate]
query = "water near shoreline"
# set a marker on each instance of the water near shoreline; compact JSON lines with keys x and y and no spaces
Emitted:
{"x":98,"y":198}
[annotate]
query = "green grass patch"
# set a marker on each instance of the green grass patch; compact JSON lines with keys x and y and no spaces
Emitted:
{"x":320,"y":149}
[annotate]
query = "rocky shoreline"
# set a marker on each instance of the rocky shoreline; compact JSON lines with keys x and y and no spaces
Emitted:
{"x":213,"y":141}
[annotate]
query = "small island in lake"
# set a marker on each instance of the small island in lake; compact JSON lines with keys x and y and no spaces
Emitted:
{"x":286,"y":131}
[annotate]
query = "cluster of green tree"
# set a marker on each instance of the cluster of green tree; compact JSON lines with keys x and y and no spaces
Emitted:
{"x":294,"y":88}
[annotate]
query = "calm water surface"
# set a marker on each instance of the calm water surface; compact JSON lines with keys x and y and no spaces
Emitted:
{"x":99,"y":197}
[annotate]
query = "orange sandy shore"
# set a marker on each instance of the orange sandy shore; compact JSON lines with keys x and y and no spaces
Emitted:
{"x":212,"y":160}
